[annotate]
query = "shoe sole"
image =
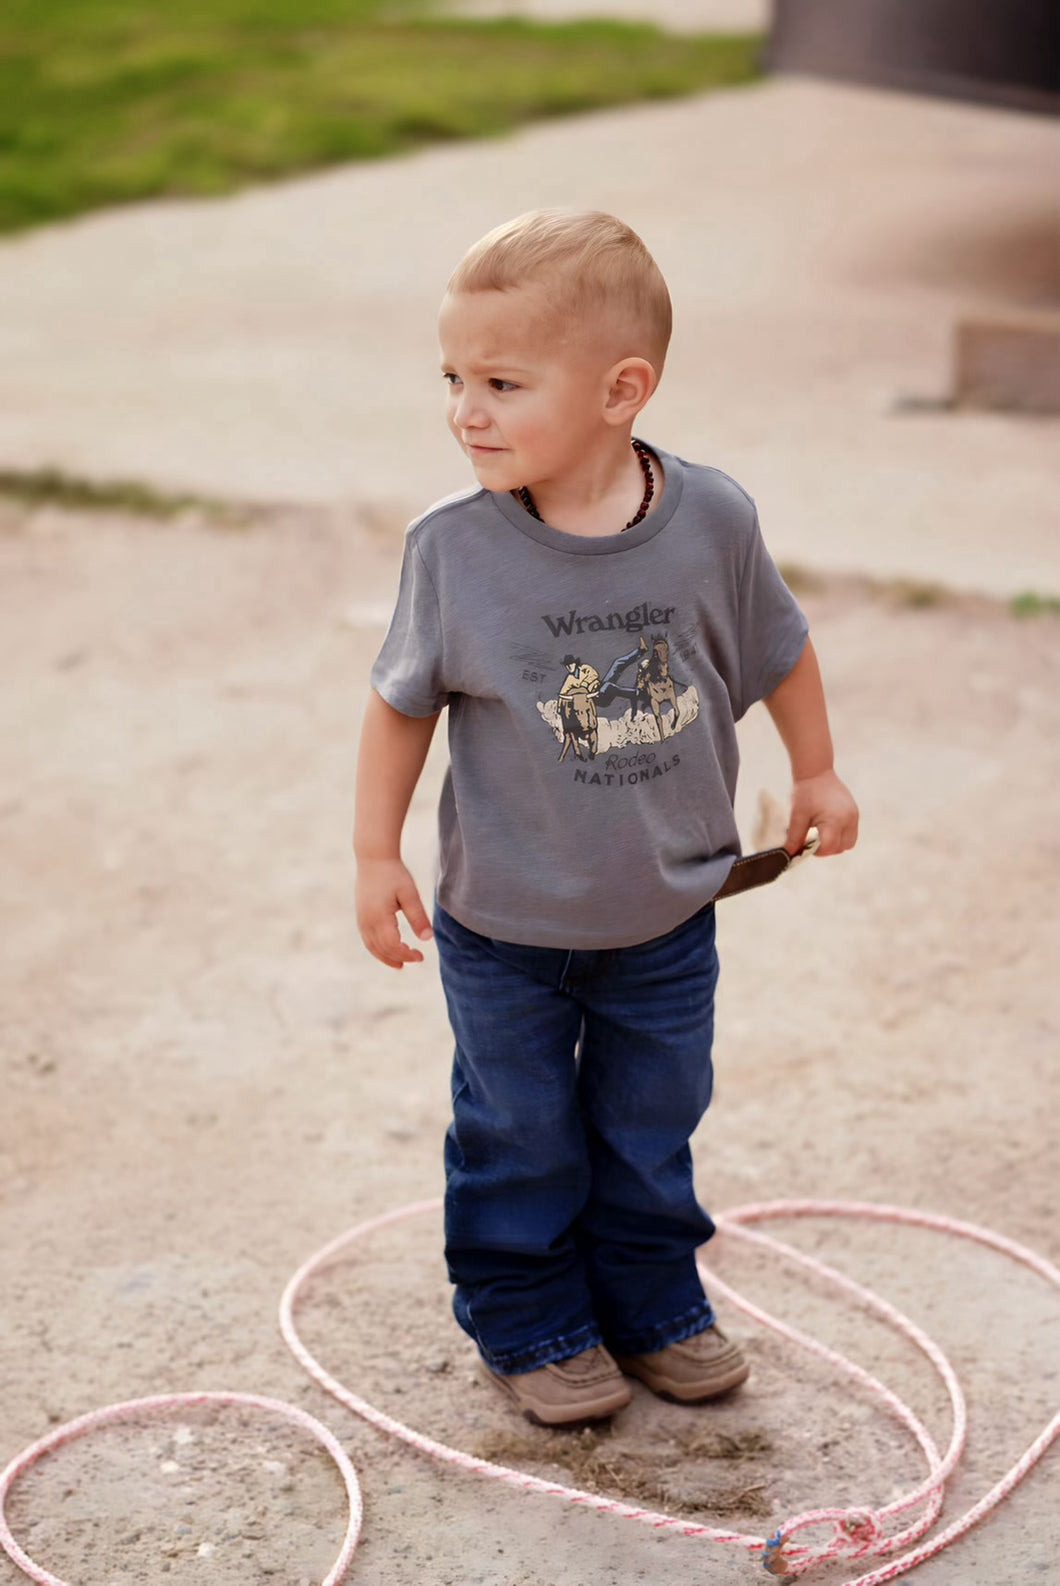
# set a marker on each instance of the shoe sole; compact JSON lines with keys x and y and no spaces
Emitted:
{"x":608,"y":1404}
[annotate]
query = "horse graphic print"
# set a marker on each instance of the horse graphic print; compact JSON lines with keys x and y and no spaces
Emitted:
{"x":648,"y":703}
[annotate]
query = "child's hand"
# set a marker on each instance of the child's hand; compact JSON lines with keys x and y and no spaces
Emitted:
{"x":825,"y":802}
{"x":384,"y":889}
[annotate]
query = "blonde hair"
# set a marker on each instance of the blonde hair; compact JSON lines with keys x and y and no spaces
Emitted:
{"x":607,"y":275}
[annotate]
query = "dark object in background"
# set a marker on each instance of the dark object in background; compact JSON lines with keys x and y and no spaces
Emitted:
{"x":1011,"y":365}
{"x":1004,"y":52}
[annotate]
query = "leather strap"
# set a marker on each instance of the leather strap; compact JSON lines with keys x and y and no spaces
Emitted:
{"x":754,"y":870}
{"x":757,"y":870}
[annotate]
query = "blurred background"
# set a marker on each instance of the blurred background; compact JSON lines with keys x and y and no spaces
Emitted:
{"x":855,"y":205}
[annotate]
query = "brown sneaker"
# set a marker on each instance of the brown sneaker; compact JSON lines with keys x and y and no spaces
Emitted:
{"x":700,"y":1367}
{"x":585,"y":1387}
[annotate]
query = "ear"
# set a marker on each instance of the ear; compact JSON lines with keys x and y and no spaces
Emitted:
{"x":630,"y":383}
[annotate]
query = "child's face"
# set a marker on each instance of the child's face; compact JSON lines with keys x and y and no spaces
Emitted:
{"x":524,"y":404}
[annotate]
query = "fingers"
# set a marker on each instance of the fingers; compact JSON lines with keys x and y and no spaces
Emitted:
{"x":823,"y":802}
{"x":838,"y":834}
{"x":798,"y":830}
{"x":380,"y":902}
{"x":384,"y":942}
{"x":411,"y":906}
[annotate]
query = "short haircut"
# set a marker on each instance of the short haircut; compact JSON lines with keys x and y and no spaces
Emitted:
{"x":603,"y":268}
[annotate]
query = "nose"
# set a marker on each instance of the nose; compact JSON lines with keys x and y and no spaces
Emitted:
{"x":467,"y":414}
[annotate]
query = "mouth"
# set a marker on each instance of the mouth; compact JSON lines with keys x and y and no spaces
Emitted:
{"x":474,"y":450}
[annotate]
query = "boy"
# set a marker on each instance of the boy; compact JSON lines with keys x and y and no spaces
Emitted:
{"x":596,"y":615}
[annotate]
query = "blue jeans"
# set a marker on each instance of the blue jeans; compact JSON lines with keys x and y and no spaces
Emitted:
{"x":578,"y":1079}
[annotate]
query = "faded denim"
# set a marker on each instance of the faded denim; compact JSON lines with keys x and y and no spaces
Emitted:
{"x":578,"y":1079}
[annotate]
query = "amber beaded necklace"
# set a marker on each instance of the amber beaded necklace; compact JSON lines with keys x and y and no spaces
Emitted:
{"x":643,"y":457}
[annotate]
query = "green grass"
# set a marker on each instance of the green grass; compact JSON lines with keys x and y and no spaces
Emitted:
{"x":1031,"y":604}
{"x":40,"y":487}
{"x":110,"y":101}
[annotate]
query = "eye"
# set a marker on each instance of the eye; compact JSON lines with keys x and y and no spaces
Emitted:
{"x":503,"y":385}
{"x":450,"y":378}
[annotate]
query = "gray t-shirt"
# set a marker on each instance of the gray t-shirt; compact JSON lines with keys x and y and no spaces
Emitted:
{"x":593,"y":687}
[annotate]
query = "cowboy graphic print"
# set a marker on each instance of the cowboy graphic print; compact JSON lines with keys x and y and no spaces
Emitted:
{"x":608,"y":702}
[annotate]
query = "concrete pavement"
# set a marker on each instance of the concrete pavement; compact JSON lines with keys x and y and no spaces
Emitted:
{"x":678,"y":16}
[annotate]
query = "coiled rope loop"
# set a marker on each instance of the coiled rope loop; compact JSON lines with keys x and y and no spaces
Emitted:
{"x":165,"y":1404}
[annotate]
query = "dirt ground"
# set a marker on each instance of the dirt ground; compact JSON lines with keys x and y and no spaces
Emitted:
{"x":205,"y":1078}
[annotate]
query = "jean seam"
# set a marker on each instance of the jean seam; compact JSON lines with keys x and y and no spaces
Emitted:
{"x":647,"y":1341}
{"x":513,"y":1362}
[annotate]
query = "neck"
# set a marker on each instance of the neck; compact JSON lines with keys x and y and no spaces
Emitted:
{"x":599,"y":498}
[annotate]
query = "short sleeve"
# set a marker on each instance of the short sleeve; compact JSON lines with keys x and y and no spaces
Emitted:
{"x":409,"y":670}
{"x":772,"y":628}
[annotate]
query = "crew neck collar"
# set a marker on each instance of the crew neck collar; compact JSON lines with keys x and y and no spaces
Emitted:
{"x":600,"y":544}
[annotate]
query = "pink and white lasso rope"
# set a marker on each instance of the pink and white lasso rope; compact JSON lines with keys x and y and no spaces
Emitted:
{"x":164,"y":1404}
{"x":854,"y":1533}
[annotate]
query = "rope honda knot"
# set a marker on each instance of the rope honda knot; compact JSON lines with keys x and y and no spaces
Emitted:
{"x":859,"y":1532}
{"x":855,"y":1532}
